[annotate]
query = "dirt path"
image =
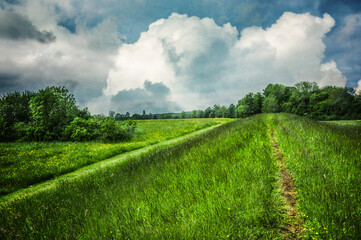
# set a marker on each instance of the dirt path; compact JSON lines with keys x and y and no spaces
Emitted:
{"x":292,"y":228}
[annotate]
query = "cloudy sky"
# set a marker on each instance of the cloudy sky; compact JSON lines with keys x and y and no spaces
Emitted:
{"x":164,"y":56}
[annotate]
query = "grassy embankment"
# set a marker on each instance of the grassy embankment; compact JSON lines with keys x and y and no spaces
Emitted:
{"x":325,"y":161}
{"x":218,"y":185}
{"x":24,"y":164}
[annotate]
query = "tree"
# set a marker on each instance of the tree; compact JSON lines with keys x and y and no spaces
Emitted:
{"x":14,"y":109}
{"x":231,"y":111}
{"x":144,"y":115}
{"x":51,"y":109}
{"x":221,"y":112}
{"x":208,"y":113}
{"x":199,"y":114}
{"x":112,"y":114}
{"x":193,"y":114}
{"x":270,"y":104}
{"x":249,"y":105}
{"x":307,"y":87}
{"x":183,"y":114}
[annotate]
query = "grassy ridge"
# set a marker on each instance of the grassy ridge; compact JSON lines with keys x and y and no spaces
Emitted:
{"x":325,"y":161}
{"x":24,"y":164}
{"x":219,"y":185}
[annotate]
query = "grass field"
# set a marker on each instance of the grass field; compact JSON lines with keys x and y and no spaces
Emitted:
{"x":221,"y":184}
{"x":24,"y":164}
{"x":325,"y":161}
{"x":356,"y":123}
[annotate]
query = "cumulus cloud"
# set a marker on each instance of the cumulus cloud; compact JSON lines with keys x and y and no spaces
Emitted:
{"x":153,"y":97}
{"x":346,"y":49}
{"x":352,"y":25}
{"x":17,"y":27}
{"x":204,"y":63}
{"x":331,"y":76}
{"x":192,"y":61}
{"x":358,"y":88}
{"x":79,"y":60}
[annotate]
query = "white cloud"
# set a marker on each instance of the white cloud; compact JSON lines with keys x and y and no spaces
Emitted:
{"x":79,"y":60}
{"x":358,"y":89}
{"x":203,"y":63}
{"x":352,"y":24}
{"x":200,"y":62}
{"x":331,"y":76}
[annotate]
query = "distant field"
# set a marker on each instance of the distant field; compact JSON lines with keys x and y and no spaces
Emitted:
{"x":24,"y":164}
{"x":346,"y":122}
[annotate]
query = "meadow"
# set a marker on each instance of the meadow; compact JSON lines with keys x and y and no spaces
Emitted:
{"x":352,"y":123}
{"x":25,"y":164}
{"x":222,"y":183}
{"x":325,"y":161}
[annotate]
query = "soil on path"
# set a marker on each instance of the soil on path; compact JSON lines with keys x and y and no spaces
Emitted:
{"x":292,"y":229}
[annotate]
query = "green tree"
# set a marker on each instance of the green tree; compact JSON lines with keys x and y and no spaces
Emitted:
{"x":193,"y":114}
{"x":14,"y":109}
{"x":270,"y":104}
{"x":209,"y":113}
{"x":112,"y":114}
{"x":183,"y":114}
{"x":231,"y":111}
{"x":52,"y":109}
{"x":249,"y":105}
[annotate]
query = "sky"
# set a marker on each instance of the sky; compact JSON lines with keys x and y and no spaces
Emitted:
{"x":169,"y":56}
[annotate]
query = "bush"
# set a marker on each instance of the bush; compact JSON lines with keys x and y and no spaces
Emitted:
{"x":113,"y":131}
{"x":104,"y":129}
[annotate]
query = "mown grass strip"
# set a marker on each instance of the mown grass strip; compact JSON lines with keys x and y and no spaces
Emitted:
{"x":219,"y":185}
{"x":24,"y":164}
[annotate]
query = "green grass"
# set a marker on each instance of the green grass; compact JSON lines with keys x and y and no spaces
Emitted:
{"x":325,"y":161}
{"x":222,"y":184}
{"x":356,"y":123}
{"x":24,"y":164}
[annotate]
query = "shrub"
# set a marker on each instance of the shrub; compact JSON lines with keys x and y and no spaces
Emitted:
{"x":104,"y":129}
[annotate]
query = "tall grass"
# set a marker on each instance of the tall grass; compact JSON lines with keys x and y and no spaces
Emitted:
{"x":221,"y":185}
{"x":325,"y":161}
{"x":351,"y":123}
{"x":24,"y":164}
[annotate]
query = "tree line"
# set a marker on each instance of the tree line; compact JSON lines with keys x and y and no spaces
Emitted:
{"x":51,"y":114}
{"x":304,"y":99}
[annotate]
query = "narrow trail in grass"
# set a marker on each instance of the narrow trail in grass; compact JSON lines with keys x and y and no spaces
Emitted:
{"x":292,"y":228}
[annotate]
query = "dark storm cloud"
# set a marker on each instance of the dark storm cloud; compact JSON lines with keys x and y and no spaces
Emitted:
{"x":7,"y":81}
{"x":152,"y":98}
{"x":15,"y":26}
